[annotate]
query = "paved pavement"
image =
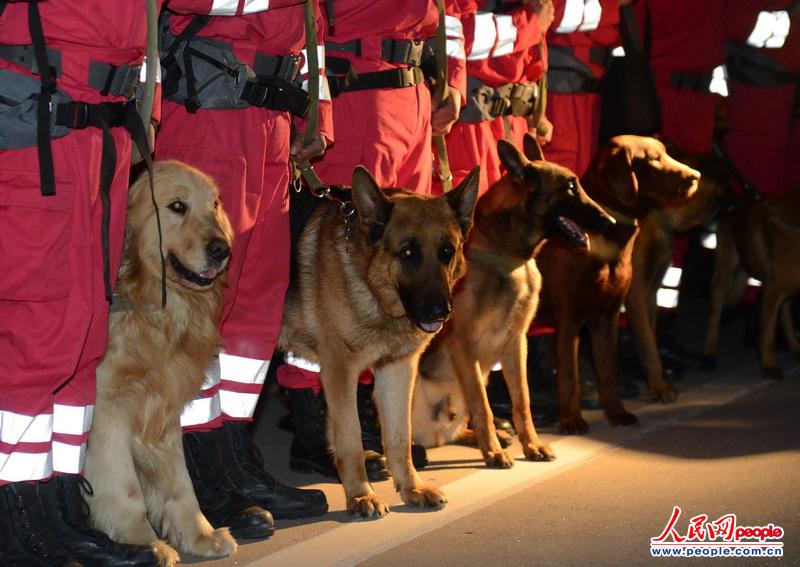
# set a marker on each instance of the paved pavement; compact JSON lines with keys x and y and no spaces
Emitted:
{"x":730,"y":445}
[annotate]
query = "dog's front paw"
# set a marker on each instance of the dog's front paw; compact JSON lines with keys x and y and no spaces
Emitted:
{"x":166,"y":555}
{"x":540,"y":452}
{"x":498,"y":460}
{"x":424,"y":497}
{"x":367,"y":506}
{"x":573,"y":426}
{"x":663,"y":394}
{"x":219,"y":543}
{"x":622,"y":418}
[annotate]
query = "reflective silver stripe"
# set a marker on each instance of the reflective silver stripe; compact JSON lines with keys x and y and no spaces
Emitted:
{"x":497,"y":367}
{"x":72,"y":420}
{"x":238,"y":404}
{"x":592,"y":12}
{"x":709,"y":241}
{"x":667,"y":298}
{"x":143,"y":72}
{"x":719,"y":81}
{"x":455,"y":37}
{"x":251,"y":6}
{"x":19,"y":428}
{"x":68,"y":458}
{"x":224,"y":7}
{"x":201,"y":410}
{"x":506,"y":35}
{"x":753,"y":282}
{"x":25,"y":466}
{"x":580,"y":15}
{"x":618,"y":51}
{"x":324,"y":90}
{"x":212,"y":374}
{"x":672,"y":277}
{"x":770,"y":30}
{"x":305,"y":364}
{"x":241,"y":369}
{"x":573,"y":16}
{"x":484,"y":37}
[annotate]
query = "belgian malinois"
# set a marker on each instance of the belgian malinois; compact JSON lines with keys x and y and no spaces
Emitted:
{"x":372,"y":289}
{"x":496,"y":302}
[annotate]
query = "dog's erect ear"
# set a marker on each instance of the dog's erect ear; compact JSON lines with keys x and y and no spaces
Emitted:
{"x":511,"y":158}
{"x":463,"y":199}
{"x":533,"y":151}
{"x":620,"y":177}
{"x":371,"y":203}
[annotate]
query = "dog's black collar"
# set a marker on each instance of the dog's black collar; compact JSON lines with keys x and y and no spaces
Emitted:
{"x":187,"y":274}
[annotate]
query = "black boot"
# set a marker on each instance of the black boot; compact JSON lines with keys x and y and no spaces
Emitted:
{"x":63,"y":495}
{"x":371,"y":429}
{"x":245,"y":465}
{"x":27,"y":537}
{"x":222,"y":502}
{"x":309,"y":452}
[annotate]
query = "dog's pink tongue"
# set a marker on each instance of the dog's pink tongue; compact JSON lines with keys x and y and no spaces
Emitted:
{"x":431,"y":327}
{"x":210,"y":274}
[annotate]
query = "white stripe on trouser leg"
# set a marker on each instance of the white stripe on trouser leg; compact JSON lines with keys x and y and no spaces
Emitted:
{"x":672,"y":277}
{"x":483,"y":38}
{"x":15,"y":467}
{"x":667,"y":298}
{"x":18,"y":428}
{"x":592,"y":12}
{"x":304,"y":363}
{"x":68,"y":458}
{"x":204,"y":410}
{"x":72,"y":420}
{"x":244,"y":371}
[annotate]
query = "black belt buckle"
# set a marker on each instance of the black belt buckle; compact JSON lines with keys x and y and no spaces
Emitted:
{"x":77,"y":115}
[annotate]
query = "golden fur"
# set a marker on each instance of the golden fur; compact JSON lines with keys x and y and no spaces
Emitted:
{"x":155,"y":364}
{"x":496,"y":302}
{"x":370,"y":293}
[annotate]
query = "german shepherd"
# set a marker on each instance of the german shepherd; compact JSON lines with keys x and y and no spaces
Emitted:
{"x":496,"y":302}
{"x":372,"y":289}
{"x":762,"y":236}
{"x":155,"y":364}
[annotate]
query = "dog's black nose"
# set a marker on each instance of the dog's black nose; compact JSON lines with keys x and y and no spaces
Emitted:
{"x":218,"y":249}
{"x":438,"y":310}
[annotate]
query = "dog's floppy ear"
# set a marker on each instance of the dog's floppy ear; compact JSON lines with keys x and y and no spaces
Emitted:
{"x":463,"y":198}
{"x":371,"y":203}
{"x":620,"y":177}
{"x":533,"y":151}
{"x":511,"y":158}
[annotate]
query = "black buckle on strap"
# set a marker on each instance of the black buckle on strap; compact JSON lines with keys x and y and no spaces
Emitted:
{"x":74,"y":115}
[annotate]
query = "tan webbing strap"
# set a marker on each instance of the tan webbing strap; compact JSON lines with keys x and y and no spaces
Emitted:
{"x":145,"y":106}
{"x":540,"y":105}
{"x":440,"y":96}
{"x":312,"y":118}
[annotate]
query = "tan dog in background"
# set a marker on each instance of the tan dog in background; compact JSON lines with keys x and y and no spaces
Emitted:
{"x":372,"y":290}
{"x":762,"y":236}
{"x":496,"y":302}
{"x":155,"y":364}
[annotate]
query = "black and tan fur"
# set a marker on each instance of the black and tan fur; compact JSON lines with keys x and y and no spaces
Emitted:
{"x":372,"y":295}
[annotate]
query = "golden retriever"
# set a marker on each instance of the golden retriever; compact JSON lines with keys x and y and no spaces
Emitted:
{"x":155,"y":364}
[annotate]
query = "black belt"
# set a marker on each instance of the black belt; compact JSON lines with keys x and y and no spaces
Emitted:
{"x":276,"y":94}
{"x":699,"y":82}
{"x":391,"y":79}
{"x":409,"y":52}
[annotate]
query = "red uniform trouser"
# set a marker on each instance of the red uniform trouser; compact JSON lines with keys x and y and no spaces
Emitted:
{"x":246,"y":151}
{"x":760,"y":137}
{"x":388,"y":132}
{"x":687,"y":115}
{"x":470,"y":144}
{"x":576,"y":127}
{"x":53,"y":311}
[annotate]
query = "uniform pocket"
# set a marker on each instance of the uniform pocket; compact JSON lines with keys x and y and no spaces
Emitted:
{"x":35,"y":232}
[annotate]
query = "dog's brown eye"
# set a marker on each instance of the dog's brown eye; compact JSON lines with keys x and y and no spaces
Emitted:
{"x":178,"y":207}
{"x":571,"y":188}
{"x":446,"y":253}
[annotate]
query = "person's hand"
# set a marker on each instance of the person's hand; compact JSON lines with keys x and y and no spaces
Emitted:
{"x":443,"y":117}
{"x":301,"y":151}
{"x":546,"y":12}
{"x":543,"y":131}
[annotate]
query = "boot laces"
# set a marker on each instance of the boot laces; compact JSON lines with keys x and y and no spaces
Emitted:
{"x":249,"y":455}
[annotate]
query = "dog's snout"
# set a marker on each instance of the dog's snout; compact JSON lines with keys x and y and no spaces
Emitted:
{"x":218,"y":249}
{"x":438,"y":310}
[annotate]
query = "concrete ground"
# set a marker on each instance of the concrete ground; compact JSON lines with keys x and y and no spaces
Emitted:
{"x":730,"y":445}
